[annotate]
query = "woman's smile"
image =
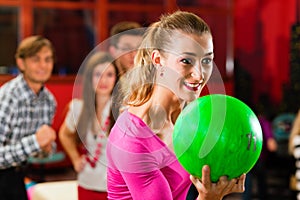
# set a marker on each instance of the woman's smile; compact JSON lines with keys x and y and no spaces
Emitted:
{"x":192,"y":86}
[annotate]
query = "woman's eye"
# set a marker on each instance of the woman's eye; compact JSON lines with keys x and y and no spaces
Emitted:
{"x":97,"y":74}
{"x":186,"y":61}
{"x":206,"y":61}
{"x":110,"y":74}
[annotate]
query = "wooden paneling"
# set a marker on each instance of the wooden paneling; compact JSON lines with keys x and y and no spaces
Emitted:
{"x":105,"y":13}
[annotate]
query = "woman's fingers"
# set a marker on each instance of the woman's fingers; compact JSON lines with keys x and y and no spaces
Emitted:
{"x":209,"y":190}
{"x":240,"y":184}
{"x":206,"y":177}
{"x":233,"y":185}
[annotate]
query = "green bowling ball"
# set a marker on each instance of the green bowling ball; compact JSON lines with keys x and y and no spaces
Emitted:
{"x":220,"y":131}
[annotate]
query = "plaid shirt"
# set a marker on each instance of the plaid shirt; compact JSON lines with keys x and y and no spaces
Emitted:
{"x":22,"y":112}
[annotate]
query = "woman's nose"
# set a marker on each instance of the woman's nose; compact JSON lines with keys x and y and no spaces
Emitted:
{"x":198,"y":77}
{"x":197,"y":74}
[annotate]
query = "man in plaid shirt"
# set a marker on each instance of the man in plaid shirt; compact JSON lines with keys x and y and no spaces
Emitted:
{"x":26,"y":112}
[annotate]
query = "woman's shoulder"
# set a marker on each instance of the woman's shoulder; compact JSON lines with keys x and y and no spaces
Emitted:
{"x":76,"y":103}
{"x":75,"y":107}
{"x":132,"y":129}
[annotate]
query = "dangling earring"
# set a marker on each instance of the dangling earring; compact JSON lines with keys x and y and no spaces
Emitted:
{"x":162,"y":70}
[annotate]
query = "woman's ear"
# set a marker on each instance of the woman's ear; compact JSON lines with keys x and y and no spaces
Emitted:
{"x":156,"y":58}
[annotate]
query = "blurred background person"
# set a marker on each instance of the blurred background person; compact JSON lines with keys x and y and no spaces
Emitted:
{"x":84,"y":131}
{"x":125,"y":39}
{"x":27,"y":109}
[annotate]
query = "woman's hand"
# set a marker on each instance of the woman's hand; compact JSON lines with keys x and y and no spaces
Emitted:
{"x":216,"y":191}
{"x":79,"y":163}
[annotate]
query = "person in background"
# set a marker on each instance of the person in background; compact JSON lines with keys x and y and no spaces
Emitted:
{"x":172,"y":65}
{"x":27,"y":109}
{"x":294,"y":150}
{"x":84,"y":131}
{"x":125,"y":39}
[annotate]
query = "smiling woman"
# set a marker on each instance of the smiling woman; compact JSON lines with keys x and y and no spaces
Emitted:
{"x":185,"y":66}
{"x":172,"y":65}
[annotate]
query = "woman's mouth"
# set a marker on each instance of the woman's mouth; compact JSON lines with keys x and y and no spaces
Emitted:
{"x":192,"y":86}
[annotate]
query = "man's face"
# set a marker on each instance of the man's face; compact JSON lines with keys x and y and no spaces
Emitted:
{"x":125,"y":51}
{"x":37,"y":69}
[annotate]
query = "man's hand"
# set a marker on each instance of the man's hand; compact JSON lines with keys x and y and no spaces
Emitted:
{"x":45,"y":135}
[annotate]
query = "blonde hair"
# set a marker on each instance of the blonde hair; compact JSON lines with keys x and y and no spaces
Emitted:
{"x":137,"y":85}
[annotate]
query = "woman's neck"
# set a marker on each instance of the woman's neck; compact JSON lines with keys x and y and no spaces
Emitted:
{"x":160,"y":113}
{"x":101,"y":102}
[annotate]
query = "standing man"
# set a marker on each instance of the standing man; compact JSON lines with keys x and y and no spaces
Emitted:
{"x":26,"y":112}
{"x":125,"y":39}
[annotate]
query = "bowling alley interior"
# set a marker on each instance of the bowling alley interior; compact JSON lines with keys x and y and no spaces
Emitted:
{"x":256,"y":60}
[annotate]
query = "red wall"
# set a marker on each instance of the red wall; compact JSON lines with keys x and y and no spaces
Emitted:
{"x":262,"y":43}
{"x":63,"y":95}
{"x":63,"y":92}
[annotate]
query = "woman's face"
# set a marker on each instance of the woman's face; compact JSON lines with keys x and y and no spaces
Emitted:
{"x":187,"y":65}
{"x":104,"y":78}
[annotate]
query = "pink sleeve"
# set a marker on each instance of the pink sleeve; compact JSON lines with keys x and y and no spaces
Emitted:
{"x":148,"y":186}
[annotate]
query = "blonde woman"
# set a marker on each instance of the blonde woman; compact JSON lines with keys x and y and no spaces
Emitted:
{"x":172,"y":65}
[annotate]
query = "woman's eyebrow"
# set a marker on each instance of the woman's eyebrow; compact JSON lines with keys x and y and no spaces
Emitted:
{"x":194,"y":54}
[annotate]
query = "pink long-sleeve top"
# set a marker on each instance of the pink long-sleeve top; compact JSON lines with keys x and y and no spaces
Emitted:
{"x":140,"y":165}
